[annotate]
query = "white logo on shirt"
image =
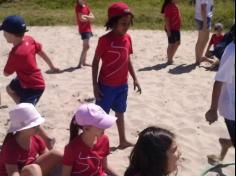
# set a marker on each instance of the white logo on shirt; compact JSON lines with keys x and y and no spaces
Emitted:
{"x":83,"y":162}
{"x":117,"y":58}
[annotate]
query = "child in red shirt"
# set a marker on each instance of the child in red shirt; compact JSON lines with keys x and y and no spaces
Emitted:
{"x":114,"y":49}
{"x":87,"y":152}
{"x":29,"y":84}
{"x":84,"y":18}
{"x":173,"y":22}
{"x":23,"y":151}
{"x":216,"y":38}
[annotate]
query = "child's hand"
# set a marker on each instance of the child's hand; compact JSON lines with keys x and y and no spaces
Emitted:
{"x":212,"y":116}
{"x":137,"y":87}
{"x":97,"y":92}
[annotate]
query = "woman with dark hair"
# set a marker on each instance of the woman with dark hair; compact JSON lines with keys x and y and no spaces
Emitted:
{"x":155,"y":154}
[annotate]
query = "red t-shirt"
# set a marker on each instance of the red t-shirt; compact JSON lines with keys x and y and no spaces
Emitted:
{"x":13,"y":154}
{"x":83,"y":26}
{"x":22,"y":60}
{"x":215,"y":39}
{"x":86,"y":161}
{"x":114,"y":52}
{"x":172,"y":12}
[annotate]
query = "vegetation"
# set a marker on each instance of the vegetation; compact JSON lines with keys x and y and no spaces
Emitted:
{"x":147,"y":12}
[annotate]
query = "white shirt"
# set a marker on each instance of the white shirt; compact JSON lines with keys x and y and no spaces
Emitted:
{"x":226,"y":74}
{"x":210,"y":6}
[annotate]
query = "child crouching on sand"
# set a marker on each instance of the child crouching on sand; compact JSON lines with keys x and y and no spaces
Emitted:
{"x":24,"y":153}
{"x":155,"y":154}
{"x":114,"y":49}
{"x":87,"y":152}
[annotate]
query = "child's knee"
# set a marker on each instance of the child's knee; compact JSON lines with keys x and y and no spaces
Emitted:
{"x":31,"y":170}
{"x":86,"y":47}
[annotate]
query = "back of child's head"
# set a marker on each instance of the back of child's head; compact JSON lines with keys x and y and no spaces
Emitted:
{"x":89,"y":115}
{"x":149,"y":157}
{"x":166,"y":2}
{"x":115,"y":12}
{"x":219,"y":27}
{"x":14,"y":25}
{"x":23,"y":117}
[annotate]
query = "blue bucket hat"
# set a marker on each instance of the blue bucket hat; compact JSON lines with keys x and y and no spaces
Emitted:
{"x":14,"y":25}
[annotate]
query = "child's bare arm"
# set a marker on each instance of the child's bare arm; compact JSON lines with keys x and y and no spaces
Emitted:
{"x":90,"y":17}
{"x":66,"y":171}
{"x":45,"y":57}
{"x":133,"y":74}
{"x":12,"y":170}
{"x":204,"y":16}
{"x":212,"y":115}
{"x":107,"y":169}
{"x":97,"y":92}
{"x":167,"y":22}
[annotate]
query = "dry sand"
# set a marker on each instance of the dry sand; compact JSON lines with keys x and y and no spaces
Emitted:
{"x":174,"y":97}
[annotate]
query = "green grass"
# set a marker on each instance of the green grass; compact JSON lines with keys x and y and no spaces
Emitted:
{"x":147,"y":12}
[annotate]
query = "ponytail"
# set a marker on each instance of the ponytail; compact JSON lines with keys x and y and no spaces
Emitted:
{"x":74,"y":129}
{"x":8,"y":137}
{"x":166,"y":2}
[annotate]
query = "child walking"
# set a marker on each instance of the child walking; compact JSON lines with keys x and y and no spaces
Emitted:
{"x":114,"y":49}
{"x":24,"y":153}
{"x":84,"y":18}
{"x":173,"y":22}
{"x":223,"y":99}
{"x":216,"y":38}
{"x":29,"y":84}
{"x":87,"y":152}
{"x":155,"y":154}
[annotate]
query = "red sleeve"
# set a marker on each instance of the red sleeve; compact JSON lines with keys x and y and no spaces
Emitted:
{"x":212,"y":39}
{"x":38,"y":47}
{"x":69,"y":156}
{"x":168,"y":12}
{"x":41,"y":144}
{"x":10,"y":154}
{"x":100,"y":48}
{"x":10,"y":67}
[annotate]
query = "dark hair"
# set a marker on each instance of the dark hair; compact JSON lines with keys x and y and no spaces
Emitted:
{"x":74,"y":129}
{"x":149,"y":156}
{"x":111,"y":23}
{"x":166,"y":2}
{"x":8,"y":137}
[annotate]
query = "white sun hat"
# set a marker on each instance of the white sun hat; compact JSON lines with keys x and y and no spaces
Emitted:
{"x":24,"y":116}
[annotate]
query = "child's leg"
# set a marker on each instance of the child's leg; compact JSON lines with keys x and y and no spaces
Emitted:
{"x":31,"y":170}
{"x":203,"y":37}
{"x":84,"y":53}
{"x":121,"y":129}
{"x":172,"y":48}
{"x":49,"y":162}
{"x":226,"y":144}
{"x":13,"y":95}
{"x":48,"y":140}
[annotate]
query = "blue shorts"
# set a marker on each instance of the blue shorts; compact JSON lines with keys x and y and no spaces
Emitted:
{"x":200,"y":24}
{"x":114,"y":98}
{"x":26,"y":95}
{"x":86,"y":35}
{"x":175,"y":37}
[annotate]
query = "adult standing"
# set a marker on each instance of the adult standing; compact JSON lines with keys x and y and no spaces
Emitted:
{"x":203,"y":17}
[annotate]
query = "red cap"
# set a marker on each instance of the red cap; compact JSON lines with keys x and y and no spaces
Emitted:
{"x":118,"y":9}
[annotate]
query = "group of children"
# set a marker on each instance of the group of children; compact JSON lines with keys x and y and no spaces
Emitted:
{"x":28,"y":149}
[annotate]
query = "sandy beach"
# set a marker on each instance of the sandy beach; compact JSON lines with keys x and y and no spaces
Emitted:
{"x":175,"y":97}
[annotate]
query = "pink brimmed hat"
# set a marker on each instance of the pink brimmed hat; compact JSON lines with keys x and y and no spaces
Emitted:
{"x":24,"y":116}
{"x":118,"y":9}
{"x":93,"y":115}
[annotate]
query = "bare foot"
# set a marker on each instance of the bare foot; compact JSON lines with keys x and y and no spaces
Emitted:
{"x":87,"y":65}
{"x":170,"y":62}
{"x":124,"y":145}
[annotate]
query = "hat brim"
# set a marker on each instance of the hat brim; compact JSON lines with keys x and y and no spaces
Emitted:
{"x":107,"y":122}
{"x":38,"y":122}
